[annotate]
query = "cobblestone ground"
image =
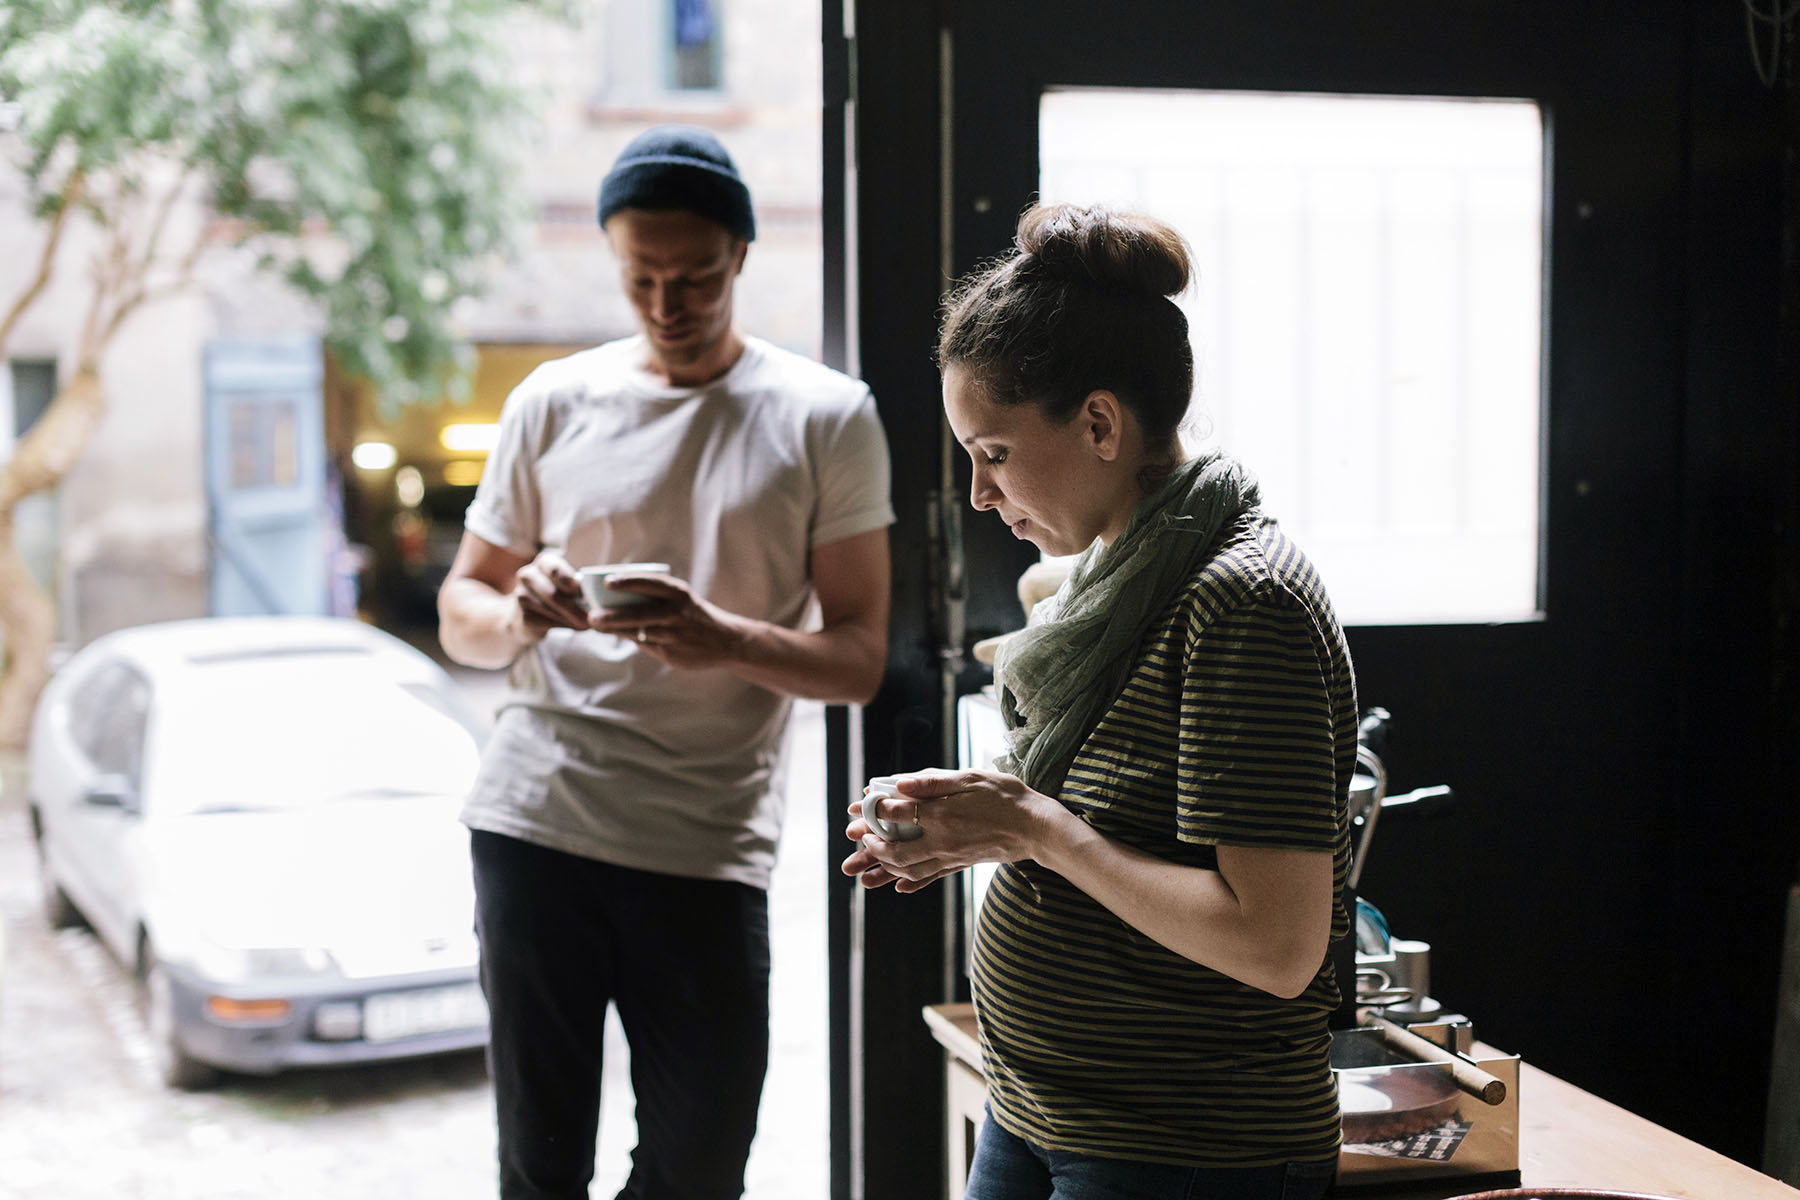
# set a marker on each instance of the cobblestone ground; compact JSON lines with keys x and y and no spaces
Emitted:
{"x":82,"y":1116}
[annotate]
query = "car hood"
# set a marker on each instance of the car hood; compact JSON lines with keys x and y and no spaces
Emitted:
{"x":384,"y":884}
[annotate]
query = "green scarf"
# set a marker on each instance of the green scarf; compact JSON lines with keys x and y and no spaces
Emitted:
{"x":1058,"y":675}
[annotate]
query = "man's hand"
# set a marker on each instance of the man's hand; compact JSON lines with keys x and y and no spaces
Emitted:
{"x":546,"y":595}
{"x":494,"y":603}
{"x":673,"y":624}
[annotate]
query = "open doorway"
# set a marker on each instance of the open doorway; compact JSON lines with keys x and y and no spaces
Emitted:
{"x":749,"y":71}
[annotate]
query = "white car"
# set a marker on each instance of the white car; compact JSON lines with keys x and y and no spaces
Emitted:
{"x":259,"y":817}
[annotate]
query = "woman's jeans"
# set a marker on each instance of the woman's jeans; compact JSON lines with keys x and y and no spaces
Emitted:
{"x":685,"y":961}
{"x":1009,"y":1168}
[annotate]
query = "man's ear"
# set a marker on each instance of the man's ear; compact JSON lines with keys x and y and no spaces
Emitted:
{"x":1102,"y":416}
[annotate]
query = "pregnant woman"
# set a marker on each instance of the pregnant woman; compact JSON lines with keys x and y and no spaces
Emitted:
{"x":1150,"y":967}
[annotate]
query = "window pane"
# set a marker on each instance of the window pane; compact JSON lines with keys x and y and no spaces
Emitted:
{"x":33,"y":387}
{"x":1365,"y":322}
{"x":264,"y":443}
{"x":37,"y":519}
{"x":655,"y":50}
{"x":693,"y":45}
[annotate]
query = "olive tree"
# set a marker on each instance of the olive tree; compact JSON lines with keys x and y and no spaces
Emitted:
{"x":361,"y":149}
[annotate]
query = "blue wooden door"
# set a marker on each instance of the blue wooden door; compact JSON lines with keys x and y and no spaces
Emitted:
{"x":269,"y":522}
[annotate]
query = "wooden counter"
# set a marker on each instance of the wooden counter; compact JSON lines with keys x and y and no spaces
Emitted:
{"x":1569,"y":1138}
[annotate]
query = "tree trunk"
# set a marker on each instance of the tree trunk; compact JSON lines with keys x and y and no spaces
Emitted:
{"x":41,"y":460}
{"x":30,"y":620}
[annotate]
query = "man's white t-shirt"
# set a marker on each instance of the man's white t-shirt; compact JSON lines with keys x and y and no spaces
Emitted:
{"x":600,"y":750}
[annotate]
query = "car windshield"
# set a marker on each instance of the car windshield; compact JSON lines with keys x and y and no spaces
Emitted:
{"x":265,"y":743}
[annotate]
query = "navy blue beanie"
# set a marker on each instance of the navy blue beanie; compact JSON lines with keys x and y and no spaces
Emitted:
{"x":679,"y":167}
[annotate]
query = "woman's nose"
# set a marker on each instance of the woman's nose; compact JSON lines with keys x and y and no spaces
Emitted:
{"x":983,"y":495}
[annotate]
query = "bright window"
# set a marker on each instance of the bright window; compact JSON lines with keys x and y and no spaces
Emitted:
{"x":1366,"y":320}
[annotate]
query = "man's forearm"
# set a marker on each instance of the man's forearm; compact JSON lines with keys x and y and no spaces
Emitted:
{"x":842,"y":665}
{"x":476,"y":624}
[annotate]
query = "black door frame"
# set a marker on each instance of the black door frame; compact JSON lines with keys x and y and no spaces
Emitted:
{"x":887,"y":952}
{"x":1629,"y":786}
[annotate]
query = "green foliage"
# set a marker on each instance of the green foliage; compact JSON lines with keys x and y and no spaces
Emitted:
{"x":366,"y":149}
{"x":96,"y":89}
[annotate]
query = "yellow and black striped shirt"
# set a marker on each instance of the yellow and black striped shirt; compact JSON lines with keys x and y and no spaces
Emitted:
{"x":1237,"y":727}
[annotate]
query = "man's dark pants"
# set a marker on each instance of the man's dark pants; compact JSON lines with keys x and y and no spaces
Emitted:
{"x":685,"y":961}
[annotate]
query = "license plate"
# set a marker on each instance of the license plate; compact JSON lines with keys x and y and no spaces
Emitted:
{"x":428,"y":1010}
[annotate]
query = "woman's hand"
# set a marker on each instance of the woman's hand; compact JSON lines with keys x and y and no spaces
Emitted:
{"x":968,"y":817}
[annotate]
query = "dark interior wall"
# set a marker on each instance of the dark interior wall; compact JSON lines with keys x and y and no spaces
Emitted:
{"x":1781,"y":1152}
{"x":1738,"y":468}
{"x":1623,"y":862}
{"x":1619,"y":879}
{"x":1608,"y":900}
{"x":1785,"y":590}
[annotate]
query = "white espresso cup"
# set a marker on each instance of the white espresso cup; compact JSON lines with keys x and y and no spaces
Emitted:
{"x":885,"y":787}
{"x":598,"y":595}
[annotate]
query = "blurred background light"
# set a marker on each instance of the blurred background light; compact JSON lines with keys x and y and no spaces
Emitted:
{"x":373,"y":456}
{"x":462,"y":472}
{"x":409,"y":486}
{"x":469,"y":439}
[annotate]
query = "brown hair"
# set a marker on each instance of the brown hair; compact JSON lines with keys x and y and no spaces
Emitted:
{"x":1081,"y":303}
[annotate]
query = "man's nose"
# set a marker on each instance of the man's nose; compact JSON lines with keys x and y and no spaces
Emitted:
{"x":665,"y":302}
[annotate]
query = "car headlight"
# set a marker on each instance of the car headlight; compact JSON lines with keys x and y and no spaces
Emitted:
{"x":265,"y":962}
{"x":236,"y":964}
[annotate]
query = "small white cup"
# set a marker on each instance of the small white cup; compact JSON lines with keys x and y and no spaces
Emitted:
{"x":598,"y":595}
{"x":886,"y":787}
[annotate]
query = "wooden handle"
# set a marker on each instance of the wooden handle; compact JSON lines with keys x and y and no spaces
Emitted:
{"x":1489,"y":1089}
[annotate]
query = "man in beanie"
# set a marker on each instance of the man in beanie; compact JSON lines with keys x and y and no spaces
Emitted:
{"x":626,"y":815}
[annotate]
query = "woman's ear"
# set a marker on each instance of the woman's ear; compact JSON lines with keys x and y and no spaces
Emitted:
{"x":1103,"y":419}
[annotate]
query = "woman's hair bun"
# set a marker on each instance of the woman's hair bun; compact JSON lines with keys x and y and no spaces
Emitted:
{"x":1084,"y":302}
{"x":1104,"y":247}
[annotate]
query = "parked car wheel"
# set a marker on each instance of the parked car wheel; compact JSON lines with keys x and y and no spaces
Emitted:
{"x":174,"y":1066}
{"x":59,"y":911}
